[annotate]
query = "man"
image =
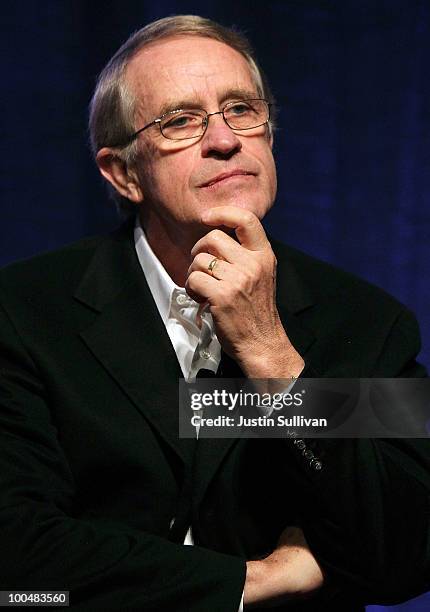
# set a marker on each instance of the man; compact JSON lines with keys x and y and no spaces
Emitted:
{"x":98,"y":491}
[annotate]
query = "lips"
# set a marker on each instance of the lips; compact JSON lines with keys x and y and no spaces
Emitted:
{"x":225,"y":175}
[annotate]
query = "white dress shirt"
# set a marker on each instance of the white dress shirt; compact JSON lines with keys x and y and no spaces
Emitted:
{"x":195,"y":347}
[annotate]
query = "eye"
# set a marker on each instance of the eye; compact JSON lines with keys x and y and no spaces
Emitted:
{"x":240,"y":108}
{"x":182,"y":119}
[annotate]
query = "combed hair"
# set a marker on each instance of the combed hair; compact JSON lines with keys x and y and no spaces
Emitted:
{"x":112,"y":108}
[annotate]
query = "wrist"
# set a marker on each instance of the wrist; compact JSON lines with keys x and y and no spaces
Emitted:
{"x":279,"y":360}
{"x":254,"y":584}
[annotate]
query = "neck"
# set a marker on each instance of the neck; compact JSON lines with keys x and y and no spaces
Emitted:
{"x":172,"y":245}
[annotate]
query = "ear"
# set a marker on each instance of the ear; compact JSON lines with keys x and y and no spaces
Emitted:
{"x":121,"y":177}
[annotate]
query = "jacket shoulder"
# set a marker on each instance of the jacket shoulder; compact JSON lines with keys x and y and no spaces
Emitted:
{"x":63,"y":264}
{"x":324,"y":280}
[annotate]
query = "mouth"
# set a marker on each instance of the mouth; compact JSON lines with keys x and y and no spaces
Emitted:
{"x":226,"y":176}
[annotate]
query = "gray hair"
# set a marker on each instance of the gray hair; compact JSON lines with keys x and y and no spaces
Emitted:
{"x":112,"y":108}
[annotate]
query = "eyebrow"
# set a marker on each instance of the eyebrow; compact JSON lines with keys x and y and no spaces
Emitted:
{"x":193,"y":103}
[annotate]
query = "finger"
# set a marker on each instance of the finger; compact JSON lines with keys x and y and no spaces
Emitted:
{"x":219,"y":244}
{"x":202,"y":261}
{"x":201,"y":287}
{"x":247,"y":226}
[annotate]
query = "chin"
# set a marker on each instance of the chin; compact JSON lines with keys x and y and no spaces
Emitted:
{"x":258,"y":208}
{"x":247,"y":199}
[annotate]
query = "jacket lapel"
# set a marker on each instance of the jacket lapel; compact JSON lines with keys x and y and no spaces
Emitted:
{"x":128,"y":336}
{"x":293,"y":297}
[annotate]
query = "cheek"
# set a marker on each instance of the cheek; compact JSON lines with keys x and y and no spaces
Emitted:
{"x":270,"y":172}
{"x":274,"y":181}
{"x":175,"y":168}
{"x":164,"y":176}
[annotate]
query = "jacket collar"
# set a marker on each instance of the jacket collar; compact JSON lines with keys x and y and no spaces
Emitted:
{"x":128,"y":336}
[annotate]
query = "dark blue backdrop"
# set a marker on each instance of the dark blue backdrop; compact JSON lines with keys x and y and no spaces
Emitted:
{"x":352,"y":81}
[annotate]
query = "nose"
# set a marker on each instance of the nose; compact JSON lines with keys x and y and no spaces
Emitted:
{"x":219,"y":140}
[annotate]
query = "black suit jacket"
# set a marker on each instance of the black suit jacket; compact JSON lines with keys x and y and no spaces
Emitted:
{"x":97,"y":490}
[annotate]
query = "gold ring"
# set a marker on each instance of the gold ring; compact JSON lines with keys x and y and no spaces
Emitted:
{"x":212,"y":265}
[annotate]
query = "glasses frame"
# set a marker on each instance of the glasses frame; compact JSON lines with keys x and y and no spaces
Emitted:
{"x":205,"y":120}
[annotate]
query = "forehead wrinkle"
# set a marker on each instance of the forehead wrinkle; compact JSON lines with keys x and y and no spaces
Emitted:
{"x":198,"y":102}
{"x":195,"y":90}
{"x":192,"y":82}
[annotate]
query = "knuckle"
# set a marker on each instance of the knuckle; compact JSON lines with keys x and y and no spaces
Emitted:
{"x":249,"y":217}
{"x":257,"y":270}
{"x":192,"y":279}
{"x":200,"y":259}
{"x":246,"y":284}
{"x":216,"y":235}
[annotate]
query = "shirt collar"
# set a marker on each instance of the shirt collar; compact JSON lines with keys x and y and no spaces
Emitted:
{"x":196,"y":346}
{"x":160,"y":284}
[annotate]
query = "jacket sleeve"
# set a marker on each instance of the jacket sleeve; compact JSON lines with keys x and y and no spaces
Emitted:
{"x":366,"y":513}
{"x":43,"y":546}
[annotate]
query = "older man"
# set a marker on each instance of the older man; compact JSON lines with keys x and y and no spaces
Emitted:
{"x":98,"y":492}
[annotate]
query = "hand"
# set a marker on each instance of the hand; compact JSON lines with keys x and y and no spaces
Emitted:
{"x":240,"y":291}
{"x":289,"y":573}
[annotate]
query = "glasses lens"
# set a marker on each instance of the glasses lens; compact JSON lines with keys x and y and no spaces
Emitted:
{"x":246,"y":114}
{"x":181,"y":124}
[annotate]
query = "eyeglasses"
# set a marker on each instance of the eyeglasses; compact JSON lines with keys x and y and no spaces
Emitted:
{"x":182,"y":124}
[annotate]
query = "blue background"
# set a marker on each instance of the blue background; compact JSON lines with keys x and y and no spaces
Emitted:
{"x":353,"y":146}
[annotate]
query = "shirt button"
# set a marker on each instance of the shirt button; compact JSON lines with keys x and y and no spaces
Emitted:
{"x":315,"y":464}
{"x":181,"y":299}
{"x":205,"y":354}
